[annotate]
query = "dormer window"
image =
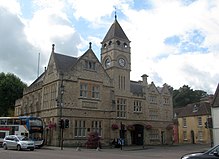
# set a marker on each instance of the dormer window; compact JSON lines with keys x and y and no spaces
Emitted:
{"x":90,"y":65}
{"x":195,"y":108}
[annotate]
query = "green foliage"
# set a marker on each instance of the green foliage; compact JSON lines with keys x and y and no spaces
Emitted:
{"x":185,"y":95}
{"x":11,"y":88}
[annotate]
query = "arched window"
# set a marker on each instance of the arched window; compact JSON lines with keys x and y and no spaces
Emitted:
{"x":104,"y":45}
{"x":118,"y":42}
{"x":125,"y":45}
{"x":110,"y":42}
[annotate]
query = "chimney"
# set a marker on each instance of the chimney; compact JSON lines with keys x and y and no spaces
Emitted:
{"x":144,"y":79}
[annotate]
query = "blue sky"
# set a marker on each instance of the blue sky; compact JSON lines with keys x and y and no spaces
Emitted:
{"x":172,"y":41}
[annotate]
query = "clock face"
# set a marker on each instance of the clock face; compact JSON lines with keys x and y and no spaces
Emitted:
{"x":107,"y":62}
{"x":122,"y":62}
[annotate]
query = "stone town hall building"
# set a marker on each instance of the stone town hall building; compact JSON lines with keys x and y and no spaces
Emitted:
{"x":99,"y":96}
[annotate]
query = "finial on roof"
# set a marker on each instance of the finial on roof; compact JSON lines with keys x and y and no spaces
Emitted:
{"x":115,"y":14}
{"x":53,"y":47}
{"x":90,"y":45}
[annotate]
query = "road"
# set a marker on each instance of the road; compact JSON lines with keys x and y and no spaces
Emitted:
{"x":150,"y":152}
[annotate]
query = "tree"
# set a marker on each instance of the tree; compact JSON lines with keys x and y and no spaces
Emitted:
{"x":11,"y":88}
{"x":93,"y":140}
{"x":185,"y":95}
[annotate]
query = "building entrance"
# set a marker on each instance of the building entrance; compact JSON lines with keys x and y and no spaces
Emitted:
{"x":138,"y":135}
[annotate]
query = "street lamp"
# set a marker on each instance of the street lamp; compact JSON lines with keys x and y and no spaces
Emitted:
{"x":60,"y":114}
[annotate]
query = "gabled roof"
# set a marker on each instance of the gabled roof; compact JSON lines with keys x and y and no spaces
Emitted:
{"x":215,"y":102}
{"x":89,"y":51}
{"x":64,"y":62}
{"x":115,"y":31}
{"x":38,"y":80}
{"x":194,"y":109}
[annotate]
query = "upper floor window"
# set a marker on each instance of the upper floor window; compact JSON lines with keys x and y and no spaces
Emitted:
{"x":153,"y":99}
{"x":91,"y":65}
{"x":199,"y":121}
{"x":83,"y":90}
{"x":89,"y":90}
{"x":166,"y":100}
{"x":184,"y":122}
{"x":121,"y":108}
{"x":195,"y":108}
{"x":137,"y":106}
{"x":95,"y":92}
{"x":153,"y":114}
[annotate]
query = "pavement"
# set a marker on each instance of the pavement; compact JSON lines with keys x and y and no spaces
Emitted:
{"x":186,"y":147}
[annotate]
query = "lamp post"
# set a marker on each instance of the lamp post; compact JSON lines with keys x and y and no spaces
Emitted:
{"x":60,"y":113}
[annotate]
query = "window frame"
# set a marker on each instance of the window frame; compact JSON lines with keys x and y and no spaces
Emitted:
{"x":121,"y":108}
{"x":80,"y":129}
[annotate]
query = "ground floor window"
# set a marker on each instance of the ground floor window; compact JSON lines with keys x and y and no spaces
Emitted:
{"x":200,"y":135}
{"x":80,"y":129}
{"x":97,"y":127}
{"x":184,"y":135}
{"x":154,"y":135}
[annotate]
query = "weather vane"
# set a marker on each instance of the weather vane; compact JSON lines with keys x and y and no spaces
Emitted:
{"x":115,"y":13}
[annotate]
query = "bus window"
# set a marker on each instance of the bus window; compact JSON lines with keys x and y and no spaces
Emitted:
{"x":23,"y":121}
{"x":24,"y":134}
{"x":35,"y":122}
{"x":3,"y":122}
{"x":2,"y":135}
{"x":16,"y":121}
{"x":16,"y":128}
{"x":10,"y":122}
{"x":36,"y":136}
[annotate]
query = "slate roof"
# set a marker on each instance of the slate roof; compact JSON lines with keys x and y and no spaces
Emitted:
{"x":194,"y":109}
{"x":64,"y":62}
{"x":115,"y":31}
{"x":38,"y":80}
{"x":136,"y":88}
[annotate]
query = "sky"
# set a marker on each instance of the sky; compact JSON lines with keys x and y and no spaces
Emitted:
{"x":172,"y":41}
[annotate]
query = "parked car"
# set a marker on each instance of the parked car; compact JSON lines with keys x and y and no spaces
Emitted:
{"x":18,"y":142}
{"x":212,"y":153}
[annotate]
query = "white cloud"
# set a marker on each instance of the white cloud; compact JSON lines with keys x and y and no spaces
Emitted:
{"x":92,"y":10}
{"x":14,"y":47}
{"x":60,"y":22}
{"x":51,"y":25}
{"x":191,"y":69}
{"x":147,"y":29}
{"x":11,"y":6}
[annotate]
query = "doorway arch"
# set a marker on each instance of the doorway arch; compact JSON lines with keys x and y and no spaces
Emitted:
{"x":192,"y":137}
{"x":137,"y":136}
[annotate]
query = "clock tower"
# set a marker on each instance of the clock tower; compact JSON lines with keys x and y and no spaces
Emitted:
{"x":116,"y":57}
